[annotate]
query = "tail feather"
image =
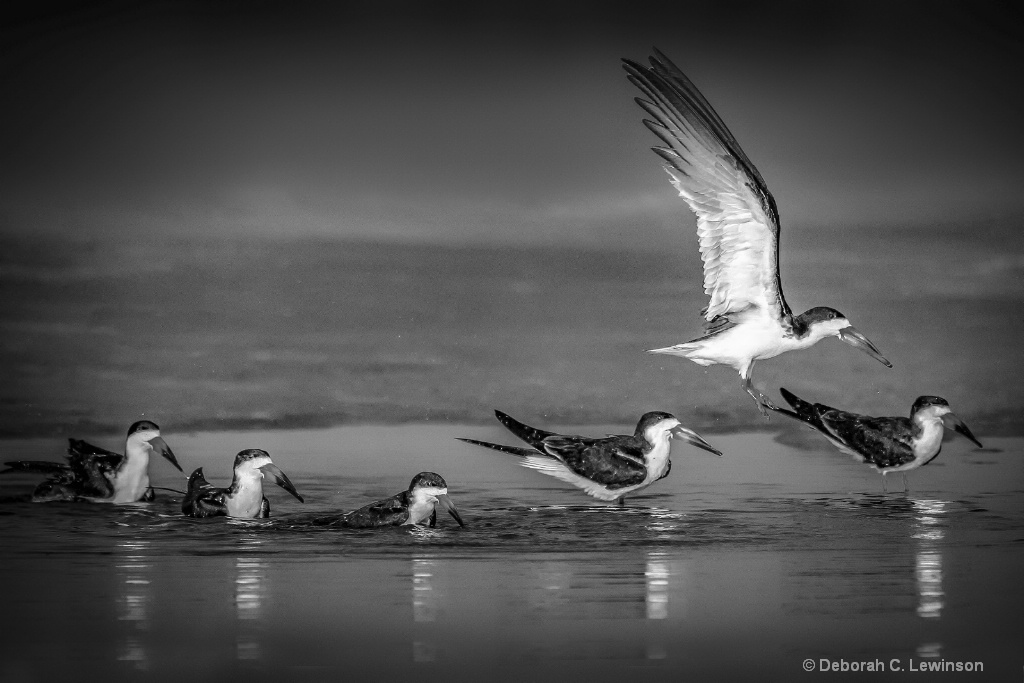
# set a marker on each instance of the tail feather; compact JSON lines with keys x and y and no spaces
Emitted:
{"x":514,"y":450}
{"x":530,"y":435}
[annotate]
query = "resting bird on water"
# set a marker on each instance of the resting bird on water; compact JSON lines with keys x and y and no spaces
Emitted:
{"x":417,"y":504}
{"x":244,"y":497}
{"x":607,"y":468}
{"x":97,"y":475}
{"x":889,"y":444}
{"x":747,"y":319}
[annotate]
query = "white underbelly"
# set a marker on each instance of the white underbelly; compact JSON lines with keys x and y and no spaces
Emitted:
{"x":420,"y":510}
{"x":131,"y":484}
{"x":752,"y":340}
{"x":246,"y":503}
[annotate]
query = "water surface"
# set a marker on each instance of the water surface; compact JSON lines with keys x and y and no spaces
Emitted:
{"x":737,"y":568}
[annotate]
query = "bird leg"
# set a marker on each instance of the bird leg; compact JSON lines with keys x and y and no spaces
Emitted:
{"x":622,"y":501}
{"x":906,"y":488}
{"x":763,"y":404}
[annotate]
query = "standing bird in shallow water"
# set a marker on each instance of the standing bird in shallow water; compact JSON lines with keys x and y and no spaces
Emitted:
{"x":747,"y":319}
{"x":608,"y":468}
{"x":889,"y":444}
{"x":100,"y":476}
{"x":244,"y":498}
{"x":417,"y":504}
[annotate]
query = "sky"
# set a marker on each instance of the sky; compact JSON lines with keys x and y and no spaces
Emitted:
{"x":456,"y":123}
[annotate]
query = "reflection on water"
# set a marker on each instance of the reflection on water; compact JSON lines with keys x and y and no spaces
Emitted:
{"x":657,"y":579}
{"x":656,"y":576}
{"x":250,"y":586}
{"x":730,"y":585}
{"x":424,"y":607}
{"x":551,"y":578}
{"x":133,"y":600}
{"x":928,"y":533}
{"x":663,"y":524}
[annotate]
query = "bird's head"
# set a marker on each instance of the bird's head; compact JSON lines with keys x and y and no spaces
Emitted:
{"x":935,"y":407}
{"x":255,"y":463}
{"x":146,"y":434}
{"x":822,"y":321}
{"x":658,"y":426}
{"x":431,"y":488}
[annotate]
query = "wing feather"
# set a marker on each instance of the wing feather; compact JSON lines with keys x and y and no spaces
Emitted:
{"x":604,"y":461}
{"x":737,"y":219}
{"x":882,"y":441}
{"x":393,"y":511}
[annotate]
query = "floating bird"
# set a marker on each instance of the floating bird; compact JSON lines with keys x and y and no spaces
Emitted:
{"x":747,"y":318}
{"x":244,"y":498}
{"x":97,"y":475}
{"x":426,"y":491}
{"x":607,"y":468}
{"x":889,"y":444}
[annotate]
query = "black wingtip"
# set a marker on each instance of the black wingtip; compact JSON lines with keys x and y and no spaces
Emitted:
{"x":790,"y":397}
{"x":513,"y":450}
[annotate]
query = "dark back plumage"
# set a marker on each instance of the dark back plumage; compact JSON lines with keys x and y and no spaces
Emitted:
{"x":392,"y":511}
{"x":883,"y":442}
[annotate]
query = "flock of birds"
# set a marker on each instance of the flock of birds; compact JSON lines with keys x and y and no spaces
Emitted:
{"x":746,"y":320}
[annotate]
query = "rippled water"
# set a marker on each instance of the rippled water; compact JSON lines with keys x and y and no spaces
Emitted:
{"x":737,"y":568}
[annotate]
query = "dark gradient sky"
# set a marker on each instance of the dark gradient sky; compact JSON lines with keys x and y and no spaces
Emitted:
{"x":448,"y":122}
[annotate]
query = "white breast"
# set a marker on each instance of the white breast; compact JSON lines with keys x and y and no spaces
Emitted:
{"x":247,"y":501}
{"x":132,"y":481}
{"x":657,"y":461}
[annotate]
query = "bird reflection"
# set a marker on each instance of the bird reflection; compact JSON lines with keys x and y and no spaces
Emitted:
{"x":134,"y":598}
{"x":929,"y":533}
{"x":250,"y":587}
{"x":656,"y":577}
{"x":424,"y":607}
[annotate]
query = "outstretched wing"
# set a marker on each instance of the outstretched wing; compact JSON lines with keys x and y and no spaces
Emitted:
{"x":608,"y":462}
{"x":737,"y":220}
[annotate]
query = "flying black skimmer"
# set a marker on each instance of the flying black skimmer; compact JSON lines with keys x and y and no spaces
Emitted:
{"x":747,"y":318}
{"x":97,"y":475}
{"x":413,"y":506}
{"x":244,"y":498}
{"x":889,"y":444}
{"x":607,"y":468}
